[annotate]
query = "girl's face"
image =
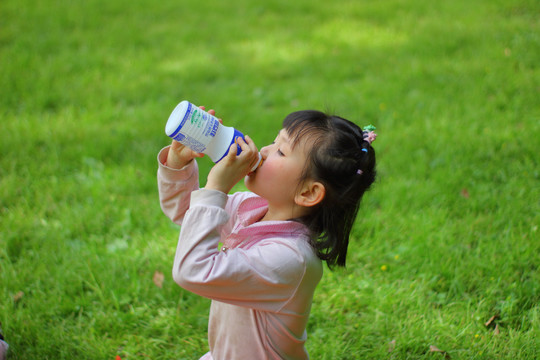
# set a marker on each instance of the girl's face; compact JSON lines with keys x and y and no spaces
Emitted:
{"x":277,"y":180}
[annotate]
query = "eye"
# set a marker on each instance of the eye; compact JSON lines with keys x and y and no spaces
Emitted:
{"x":280,"y":153}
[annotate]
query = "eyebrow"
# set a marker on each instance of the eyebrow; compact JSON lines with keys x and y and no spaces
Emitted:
{"x":285,"y":138}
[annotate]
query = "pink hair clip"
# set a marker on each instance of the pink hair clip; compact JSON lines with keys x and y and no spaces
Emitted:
{"x":369,"y":134}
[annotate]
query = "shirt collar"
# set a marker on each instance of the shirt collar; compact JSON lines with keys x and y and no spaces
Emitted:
{"x":252,"y":209}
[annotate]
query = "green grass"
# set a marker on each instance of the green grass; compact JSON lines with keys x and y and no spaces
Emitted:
{"x":447,"y":239}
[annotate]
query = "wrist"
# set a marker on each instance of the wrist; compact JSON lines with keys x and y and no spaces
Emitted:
{"x":177,"y":163}
{"x":218,"y":187}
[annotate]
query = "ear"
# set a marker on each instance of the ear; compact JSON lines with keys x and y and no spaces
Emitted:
{"x":311,"y":193}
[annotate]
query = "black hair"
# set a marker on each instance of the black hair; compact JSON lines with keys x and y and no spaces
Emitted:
{"x":344,"y":162}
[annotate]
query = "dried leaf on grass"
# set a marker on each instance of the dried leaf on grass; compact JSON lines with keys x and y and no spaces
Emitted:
{"x":391,"y":345}
{"x":491,"y":321}
{"x":18,"y":296}
{"x":158,"y":279}
{"x":434,"y":349}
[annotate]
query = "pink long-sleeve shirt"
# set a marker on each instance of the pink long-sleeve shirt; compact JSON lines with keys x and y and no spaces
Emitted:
{"x":261,"y":281}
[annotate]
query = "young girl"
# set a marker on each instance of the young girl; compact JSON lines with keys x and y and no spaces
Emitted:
{"x":300,"y":209}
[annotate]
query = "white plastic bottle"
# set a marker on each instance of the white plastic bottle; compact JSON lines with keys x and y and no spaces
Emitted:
{"x":202,"y":132}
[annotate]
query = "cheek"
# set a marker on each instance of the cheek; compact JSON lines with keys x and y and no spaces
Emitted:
{"x":265,"y":177}
{"x":269,"y":168}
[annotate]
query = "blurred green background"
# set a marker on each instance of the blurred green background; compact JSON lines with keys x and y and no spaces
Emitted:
{"x":445,"y":243}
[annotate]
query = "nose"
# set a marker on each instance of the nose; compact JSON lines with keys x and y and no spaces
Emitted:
{"x":264,"y":151}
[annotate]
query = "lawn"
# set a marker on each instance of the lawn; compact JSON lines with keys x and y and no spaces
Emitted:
{"x":444,"y":258}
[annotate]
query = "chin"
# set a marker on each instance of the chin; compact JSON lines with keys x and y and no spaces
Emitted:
{"x":249,"y":181}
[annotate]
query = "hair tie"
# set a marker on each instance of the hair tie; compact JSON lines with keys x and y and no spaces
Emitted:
{"x":368,"y":135}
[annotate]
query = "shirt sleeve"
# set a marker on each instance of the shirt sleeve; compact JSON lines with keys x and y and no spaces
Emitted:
{"x":263,"y":277}
{"x":175,"y":187}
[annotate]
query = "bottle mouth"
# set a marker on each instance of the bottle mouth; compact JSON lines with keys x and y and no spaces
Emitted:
{"x":257,"y":165}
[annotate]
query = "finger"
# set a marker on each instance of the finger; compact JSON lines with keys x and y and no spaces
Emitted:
{"x":213,"y":113}
{"x":176,"y":145}
{"x":251,"y":144}
{"x":249,"y":148}
{"x":232,"y":151}
{"x":243,"y":145}
{"x":202,"y":107}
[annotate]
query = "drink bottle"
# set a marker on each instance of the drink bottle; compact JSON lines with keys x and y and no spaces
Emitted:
{"x":202,"y":132}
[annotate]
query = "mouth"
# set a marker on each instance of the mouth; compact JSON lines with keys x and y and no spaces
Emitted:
{"x":253,"y":172}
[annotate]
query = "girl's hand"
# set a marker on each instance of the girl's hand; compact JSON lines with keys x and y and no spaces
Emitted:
{"x":231,"y":169}
{"x":180,"y":155}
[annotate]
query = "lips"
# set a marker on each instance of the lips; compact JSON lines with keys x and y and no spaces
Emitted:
{"x":254,"y":171}
{"x":256,"y":167}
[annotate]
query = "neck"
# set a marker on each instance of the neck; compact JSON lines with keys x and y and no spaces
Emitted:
{"x":282,"y":214}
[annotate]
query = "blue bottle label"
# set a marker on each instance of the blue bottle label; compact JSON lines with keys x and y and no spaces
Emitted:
{"x":237,"y":134}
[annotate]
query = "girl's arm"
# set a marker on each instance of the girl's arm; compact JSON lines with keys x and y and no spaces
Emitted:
{"x":177,"y":177}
